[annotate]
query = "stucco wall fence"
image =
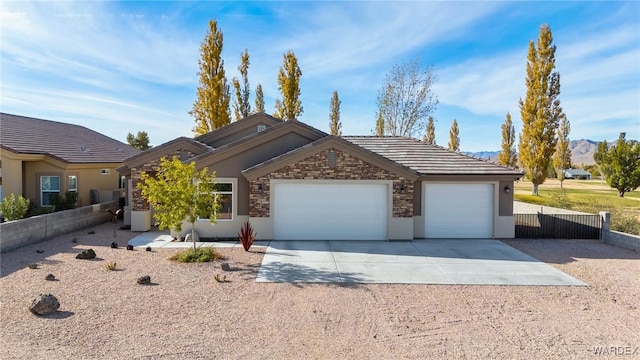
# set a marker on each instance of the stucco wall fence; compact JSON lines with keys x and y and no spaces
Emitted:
{"x":623,"y":240}
{"x":18,"y":233}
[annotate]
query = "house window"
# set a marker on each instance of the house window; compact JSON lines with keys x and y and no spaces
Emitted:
{"x":122,"y":183}
{"x":105,"y":171}
{"x":225,"y":202}
{"x":49,"y":188}
{"x":72,"y":184}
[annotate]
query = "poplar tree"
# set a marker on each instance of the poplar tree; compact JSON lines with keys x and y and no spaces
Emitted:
{"x":454,"y":138}
{"x":430,"y":135}
{"x":599,"y":158}
{"x":540,"y":110}
{"x":241,"y":105}
{"x":259,"y":99}
{"x":289,"y":85}
{"x":139,"y":141}
{"x":211,"y":108}
{"x":507,"y":156}
{"x":380,"y":126}
{"x":335,"y":126}
{"x":562,"y":156}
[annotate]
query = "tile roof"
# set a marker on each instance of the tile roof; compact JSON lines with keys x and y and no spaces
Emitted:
{"x":66,"y":142}
{"x":428,"y":159}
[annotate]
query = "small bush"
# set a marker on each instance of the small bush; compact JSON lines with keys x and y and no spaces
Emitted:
{"x":14,"y":209}
{"x":67,"y":202}
{"x":220,"y":279}
{"x":247,"y":236}
{"x":626,"y":223}
{"x":561,"y":200}
{"x":203,"y":254}
{"x":110,"y":266}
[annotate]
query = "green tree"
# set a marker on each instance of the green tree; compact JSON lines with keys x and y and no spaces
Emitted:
{"x":14,"y":209}
{"x":289,"y":85}
{"x":180,"y":193}
{"x":406,"y":98}
{"x":562,"y":156}
{"x":259,"y":99}
{"x":621,"y":163}
{"x":379,"y":126}
{"x":241,"y":105}
{"x":599,"y":157}
{"x":335,"y":126}
{"x":211,"y":108}
{"x":540,"y":110}
{"x":140,"y":141}
{"x":507,"y":156}
{"x":430,"y":135}
{"x":454,"y":137}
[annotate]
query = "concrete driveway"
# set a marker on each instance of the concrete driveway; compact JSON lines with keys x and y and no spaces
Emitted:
{"x":472,"y":262}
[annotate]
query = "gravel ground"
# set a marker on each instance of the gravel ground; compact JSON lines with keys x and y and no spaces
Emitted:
{"x":187,"y":314}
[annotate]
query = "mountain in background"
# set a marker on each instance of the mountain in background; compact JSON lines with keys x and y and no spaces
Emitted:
{"x":581,"y":152}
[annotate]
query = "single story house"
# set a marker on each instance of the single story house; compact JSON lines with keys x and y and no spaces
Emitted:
{"x":295,"y":182}
{"x":39,"y":158}
{"x":577,"y":174}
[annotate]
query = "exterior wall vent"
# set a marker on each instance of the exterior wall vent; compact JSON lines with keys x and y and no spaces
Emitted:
{"x":262,"y":127}
{"x":332,"y":159}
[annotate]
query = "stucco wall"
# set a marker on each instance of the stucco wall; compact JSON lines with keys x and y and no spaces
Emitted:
{"x":31,"y":230}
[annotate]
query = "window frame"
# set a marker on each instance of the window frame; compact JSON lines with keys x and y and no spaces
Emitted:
{"x":69,"y":188}
{"x":48,"y":191}
{"x":233,"y":194}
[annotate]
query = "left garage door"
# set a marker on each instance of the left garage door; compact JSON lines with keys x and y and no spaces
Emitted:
{"x":330,"y":211}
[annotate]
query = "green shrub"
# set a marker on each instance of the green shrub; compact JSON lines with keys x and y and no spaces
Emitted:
{"x":64,"y":203}
{"x":14,"y":209}
{"x":202,"y":254}
{"x":626,"y":223}
{"x":561,"y":200}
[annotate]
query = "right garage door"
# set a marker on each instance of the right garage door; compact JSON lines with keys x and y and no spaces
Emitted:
{"x":458,"y":210}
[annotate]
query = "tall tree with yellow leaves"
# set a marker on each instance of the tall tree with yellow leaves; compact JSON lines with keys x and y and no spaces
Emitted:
{"x":241,"y":105}
{"x":562,"y":156}
{"x":211,"y":108}
{"x":259,"y":99}
{"x":430,"y":134}
{"x":507,"y":156}
{"x":289,"y":85}
{"x":335,"y":126}
{"x":454,"y":137}
{"x":540,"y":110}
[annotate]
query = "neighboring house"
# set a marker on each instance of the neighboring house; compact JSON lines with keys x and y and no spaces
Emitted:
{"x":40,"y":157}
{"x":295,"y":182}
{"x":577,"y":174}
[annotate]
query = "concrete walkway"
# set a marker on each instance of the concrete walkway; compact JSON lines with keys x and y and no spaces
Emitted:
{"x":520,"y":207}
{"x":472,"y":262}
{"x":157,"y":239}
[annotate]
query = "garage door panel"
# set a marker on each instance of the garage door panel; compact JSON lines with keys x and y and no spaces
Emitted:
{"x":324,"y":211}
{"x":458,"y":210}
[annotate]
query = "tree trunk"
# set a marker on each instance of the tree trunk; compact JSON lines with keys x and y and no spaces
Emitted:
{"x":620,"y":193}
{"x":561,"y":184}
{"x":193,"y":236}
{"x":534,"y":190}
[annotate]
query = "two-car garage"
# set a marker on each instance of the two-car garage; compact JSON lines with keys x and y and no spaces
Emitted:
{"x":330,"y":210}
{"x":353,"y":210}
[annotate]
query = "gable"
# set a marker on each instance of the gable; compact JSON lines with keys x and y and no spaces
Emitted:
{"x":239,"y":129}
{"x":259,"y":147}
{"x":319,"y":150}
{"x":182,"y":147}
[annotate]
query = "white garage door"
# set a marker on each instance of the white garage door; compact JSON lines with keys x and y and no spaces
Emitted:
{"x":458,"y":210}
{"x":330,"y":211}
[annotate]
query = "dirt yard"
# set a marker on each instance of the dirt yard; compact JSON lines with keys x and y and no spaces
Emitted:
{"x":187,"y":314}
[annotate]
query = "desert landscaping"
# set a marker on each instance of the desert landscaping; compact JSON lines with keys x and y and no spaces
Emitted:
{"x":186,"y":314}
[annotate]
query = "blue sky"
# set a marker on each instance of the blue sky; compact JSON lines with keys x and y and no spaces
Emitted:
{"x":119,"y":67}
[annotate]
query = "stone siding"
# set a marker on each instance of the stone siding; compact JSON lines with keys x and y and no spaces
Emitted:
{"x":316,"y":167}
{"x":138,"y":203}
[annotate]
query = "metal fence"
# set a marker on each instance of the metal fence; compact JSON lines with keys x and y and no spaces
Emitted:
{"x":558,"y":226}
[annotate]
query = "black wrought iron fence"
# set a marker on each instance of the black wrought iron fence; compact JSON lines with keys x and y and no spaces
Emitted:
{"x":558,"y":226}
